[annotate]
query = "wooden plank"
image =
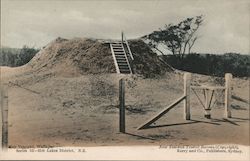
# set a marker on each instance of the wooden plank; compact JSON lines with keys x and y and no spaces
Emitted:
{"x":228,"y":95}
{"x":187,"y":83}
{"x":198,"y":98}
{"x":115,"y":62}
{"x":207,"y":104}
{"x":122,"y":106}
{"x":160,"y":114}
{"x":211,"y":98}
{"x":130,"y":53}
{"x":208,"y":87}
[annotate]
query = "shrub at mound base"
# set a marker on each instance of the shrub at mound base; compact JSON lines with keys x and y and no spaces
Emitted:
{"x":146,"y":62}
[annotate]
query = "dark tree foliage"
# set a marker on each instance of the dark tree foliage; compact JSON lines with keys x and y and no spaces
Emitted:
{"x":179,"y":39}
{"x":16,"y":57}
{"x":210,"y":64}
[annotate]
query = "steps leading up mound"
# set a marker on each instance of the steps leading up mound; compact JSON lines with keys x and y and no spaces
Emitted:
{"x":80,"y":56}
{"x":120,"y":58}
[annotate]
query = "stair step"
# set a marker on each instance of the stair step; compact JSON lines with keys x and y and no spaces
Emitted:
{"x":120,"y":56}
{"x":124,"y":71}
{"x":121,"y":59}
{"x":118,"y":62}
{"x":125,"y":62}
{"x":117,"y":46}
{"x":117,"y":51}
{"x":123,"y":65}
{"x":122,"y":62}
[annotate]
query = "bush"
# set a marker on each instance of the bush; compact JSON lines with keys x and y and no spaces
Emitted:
{"x":210,"y":64}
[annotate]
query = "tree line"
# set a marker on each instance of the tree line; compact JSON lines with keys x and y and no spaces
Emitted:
{"x":180,"y":38}
{"x":14,"y":57}
{"x":211,"y":64}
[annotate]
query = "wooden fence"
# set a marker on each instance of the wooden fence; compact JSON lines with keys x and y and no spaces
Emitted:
{"x":208,"y":93}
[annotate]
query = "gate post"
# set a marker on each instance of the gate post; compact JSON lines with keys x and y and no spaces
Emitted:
{"x":122,"y":105}
{"x":228,"y":94}
{"x":187,"y":84}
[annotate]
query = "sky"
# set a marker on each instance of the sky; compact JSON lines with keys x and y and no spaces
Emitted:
{"x":35,"y":23}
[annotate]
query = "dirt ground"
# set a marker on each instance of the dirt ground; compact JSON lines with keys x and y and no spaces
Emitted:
{"x":50,"y":110}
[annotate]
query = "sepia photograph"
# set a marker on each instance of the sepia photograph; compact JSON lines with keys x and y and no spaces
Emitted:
{"x":111,"y":79}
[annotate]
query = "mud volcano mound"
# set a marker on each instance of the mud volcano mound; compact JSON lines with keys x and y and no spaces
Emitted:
{"x":91,"y":56}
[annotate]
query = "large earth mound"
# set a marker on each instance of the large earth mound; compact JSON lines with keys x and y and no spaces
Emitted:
{"x":79,"y":56}
{"x":57,"y":100}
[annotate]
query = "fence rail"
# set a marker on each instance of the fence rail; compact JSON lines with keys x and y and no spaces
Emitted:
{"x":126,"y":42}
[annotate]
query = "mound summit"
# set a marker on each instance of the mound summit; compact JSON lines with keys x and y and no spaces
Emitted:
{"x":80,"y":56}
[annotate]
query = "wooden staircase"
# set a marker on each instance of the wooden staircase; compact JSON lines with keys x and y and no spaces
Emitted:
{"x":120,"y":58}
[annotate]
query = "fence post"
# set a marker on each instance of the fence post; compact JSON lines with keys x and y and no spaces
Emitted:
{"x":122,"y":105}
{"x":4,"y":111}
{"x":187,"y":84}
{"x":228,"y":94}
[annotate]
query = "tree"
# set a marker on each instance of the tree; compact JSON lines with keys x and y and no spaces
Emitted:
{"x":16,"y":57}
{"x":26,"y":54}
{"x":179,"y":39}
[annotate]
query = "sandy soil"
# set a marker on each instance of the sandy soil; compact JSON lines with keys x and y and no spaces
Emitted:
{"x":50,"y":110}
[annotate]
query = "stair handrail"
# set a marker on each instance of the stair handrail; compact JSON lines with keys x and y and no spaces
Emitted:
{"x":126,"y":42}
